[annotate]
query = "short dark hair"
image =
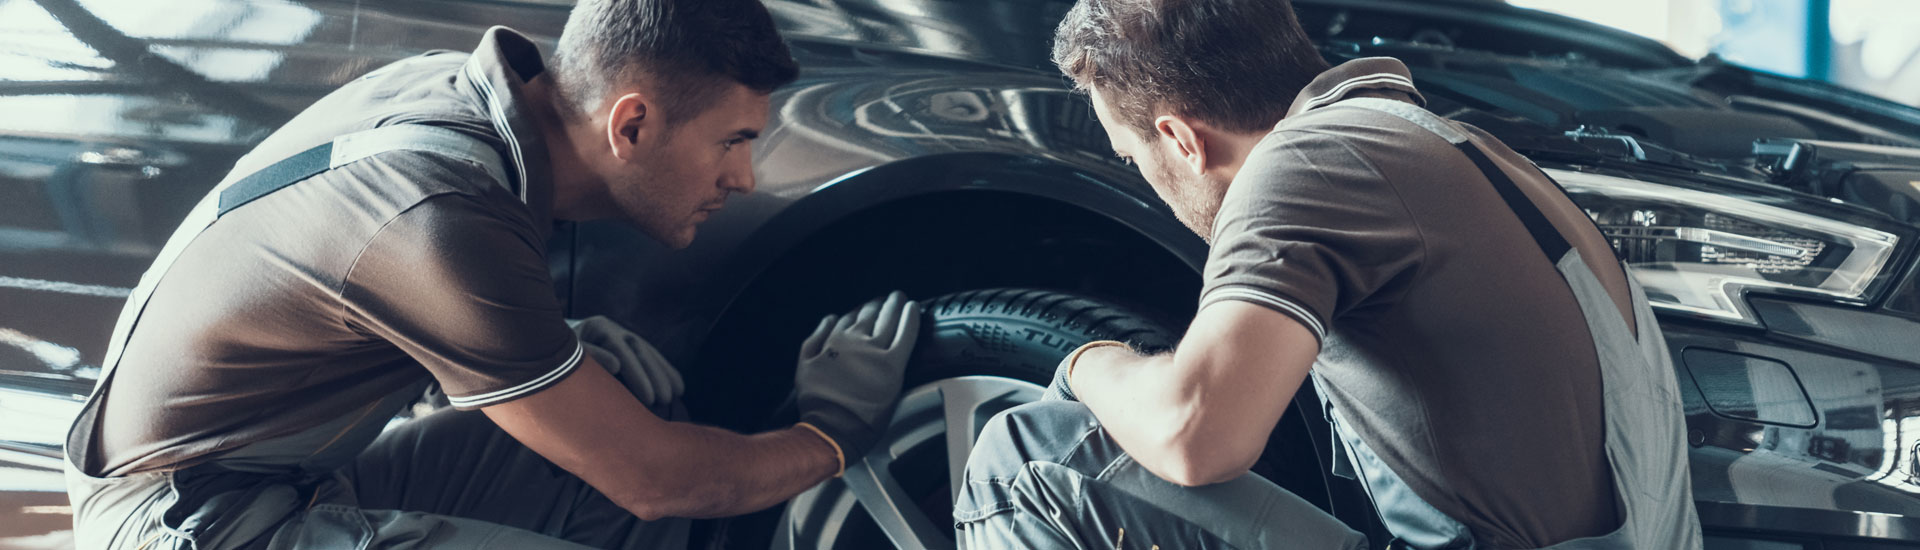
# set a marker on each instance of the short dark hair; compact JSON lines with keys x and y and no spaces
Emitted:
{"x":686,"y":49}
{"x":1236,"y":64}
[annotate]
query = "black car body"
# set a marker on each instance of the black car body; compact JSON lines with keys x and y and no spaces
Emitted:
{"x":929,"y":146}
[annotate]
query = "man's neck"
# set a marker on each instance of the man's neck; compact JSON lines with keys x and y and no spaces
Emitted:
{"x":572,"y":181}
{"x":1235,"y":147}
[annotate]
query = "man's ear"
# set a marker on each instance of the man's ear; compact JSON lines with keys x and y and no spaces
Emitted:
{"x":627,"y":122}
{"x":1190,"y":144}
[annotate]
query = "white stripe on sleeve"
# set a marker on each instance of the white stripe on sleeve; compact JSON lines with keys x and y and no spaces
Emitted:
{"x":527,"y":387}
{"x":1268,"y":299}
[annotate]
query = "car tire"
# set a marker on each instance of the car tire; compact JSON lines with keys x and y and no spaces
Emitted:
{"x":979,"y":352}
{"x":1021,"y":333}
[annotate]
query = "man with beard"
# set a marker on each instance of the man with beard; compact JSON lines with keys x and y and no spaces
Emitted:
{"x":1493,"y":375}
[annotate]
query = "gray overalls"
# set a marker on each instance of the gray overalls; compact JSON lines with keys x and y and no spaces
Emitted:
{"x":1045,"y":475}
{"x":293,"y":492}
{"x":1645,"y":432}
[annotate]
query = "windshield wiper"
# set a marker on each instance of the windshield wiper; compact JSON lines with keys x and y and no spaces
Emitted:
{"x":1879,"y":177}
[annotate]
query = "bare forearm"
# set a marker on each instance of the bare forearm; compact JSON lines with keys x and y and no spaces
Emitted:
{"x":1200,"y":415}
{"x":1141,"y":401}
{"x":591,"y":426}
{"x":722,"y":473}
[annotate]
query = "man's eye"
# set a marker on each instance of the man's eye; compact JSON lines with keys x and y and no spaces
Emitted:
{"x":732,"y":142}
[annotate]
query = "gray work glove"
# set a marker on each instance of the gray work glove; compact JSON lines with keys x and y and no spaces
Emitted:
{"x":631,"y":360}
{"x":1060,"y":389}
{"x":851,"y":370}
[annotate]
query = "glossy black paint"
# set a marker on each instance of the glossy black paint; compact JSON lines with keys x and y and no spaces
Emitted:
{"x":927,"y":146}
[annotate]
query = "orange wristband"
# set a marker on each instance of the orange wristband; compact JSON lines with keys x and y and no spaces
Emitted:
{"x":837,"y":454}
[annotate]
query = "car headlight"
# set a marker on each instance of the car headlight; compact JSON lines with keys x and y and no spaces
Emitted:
{"x":1696,"y":252}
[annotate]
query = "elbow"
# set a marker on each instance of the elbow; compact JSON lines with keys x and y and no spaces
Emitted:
{"x":1195,"y":468}
{"x":649,"y":507}
{"x":1200,"y":445}
{"x":669,"y":499}
{"x":658,"y":502}
{"x":649,"y":513}
{"x":1193,"y":455}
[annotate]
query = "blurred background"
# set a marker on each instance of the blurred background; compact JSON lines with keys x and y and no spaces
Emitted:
{"x":1868,"y":45}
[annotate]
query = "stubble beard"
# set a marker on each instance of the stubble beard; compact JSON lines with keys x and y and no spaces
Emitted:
{"x":1196,"y":200}
{"x":672,"y":230}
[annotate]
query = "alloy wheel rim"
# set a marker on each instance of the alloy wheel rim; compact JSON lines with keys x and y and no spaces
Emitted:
{"x":922,"y":423}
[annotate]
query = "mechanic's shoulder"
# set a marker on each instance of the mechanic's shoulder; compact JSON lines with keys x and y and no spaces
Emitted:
{"x":1327,"y":117}
{"x":1315,"y":159}
{"x":410,"y":68}
{"x":1323,"y":124}
{"x":1343,"y":117}
{"x":1366,"y":136}
{"x":421,"y":173}
{"x":451,"y":228}
{"x":1323,"y":146}
{"x":439,"y":241}
{"x":418,"y":186}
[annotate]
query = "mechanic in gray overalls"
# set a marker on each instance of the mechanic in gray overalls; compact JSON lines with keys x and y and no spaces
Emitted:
{"x":393,"y":235}
{"x":1494,"y":375}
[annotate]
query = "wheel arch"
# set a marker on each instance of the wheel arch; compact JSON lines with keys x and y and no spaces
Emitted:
{"x":1085,"y":231}
{"x":1116,"y":199}
{"x":932,"y":225}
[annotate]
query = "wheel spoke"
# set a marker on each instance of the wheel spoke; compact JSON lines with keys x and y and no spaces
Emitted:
{"x":892,"y":508}
{"x":947,"y":412}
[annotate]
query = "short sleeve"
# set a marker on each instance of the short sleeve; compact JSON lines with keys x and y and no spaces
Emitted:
{"x":463,"y":288}
{"x":1310,"y":229}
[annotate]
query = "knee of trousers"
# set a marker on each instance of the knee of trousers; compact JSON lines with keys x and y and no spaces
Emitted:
{"x":1053,"y":431}
{"x":1003,"y":472}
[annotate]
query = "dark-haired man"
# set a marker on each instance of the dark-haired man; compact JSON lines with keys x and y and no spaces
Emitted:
{"x":392,"y":235}
{"x":1493,"y":374}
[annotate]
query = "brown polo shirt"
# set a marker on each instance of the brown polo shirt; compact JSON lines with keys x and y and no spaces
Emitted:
{"x":1452,"y":346}
{"x":311,"y":305}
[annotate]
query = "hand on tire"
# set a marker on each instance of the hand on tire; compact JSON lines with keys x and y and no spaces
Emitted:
{"x":631,"y":360}
{"x":851,"y":370}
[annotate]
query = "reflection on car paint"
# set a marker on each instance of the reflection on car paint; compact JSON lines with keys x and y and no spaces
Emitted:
{"x":121,"y":113}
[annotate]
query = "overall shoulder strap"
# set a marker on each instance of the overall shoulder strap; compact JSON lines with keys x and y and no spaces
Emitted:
{"x":1551,"y":242}
{"x":346,"y":149}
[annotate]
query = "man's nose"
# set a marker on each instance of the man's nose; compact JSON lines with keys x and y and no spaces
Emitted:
{"x":739,"y":177}
{"x":740,"y":182}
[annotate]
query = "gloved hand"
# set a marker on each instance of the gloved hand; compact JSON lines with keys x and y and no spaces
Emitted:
{"x":851,"y":370}
{"x":631,"y":360}
{"x":1061,"y":389}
